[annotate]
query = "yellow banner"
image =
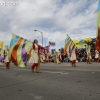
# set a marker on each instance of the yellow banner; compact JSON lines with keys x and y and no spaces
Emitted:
{"x":1,"y":44}
{"x":81,"y":43}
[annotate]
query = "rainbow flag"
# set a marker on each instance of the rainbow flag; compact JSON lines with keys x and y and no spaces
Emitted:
{"x":97,"y":46}
{"x":69,"y":44}
{"x":19,"y":47}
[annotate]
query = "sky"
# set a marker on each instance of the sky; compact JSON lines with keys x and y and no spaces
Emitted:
{"x":54,"y":18}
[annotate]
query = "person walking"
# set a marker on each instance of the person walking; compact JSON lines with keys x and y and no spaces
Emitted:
{"x":35,"y":57}
{"x":96,"y":56}
{"x":7,"y":61}
{"x":73,"y":57}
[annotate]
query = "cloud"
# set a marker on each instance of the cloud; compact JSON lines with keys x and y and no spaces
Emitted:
{"x":55,"y":18}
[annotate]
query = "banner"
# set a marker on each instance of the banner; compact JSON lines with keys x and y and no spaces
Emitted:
{"x":97,"y":46}
{"x":69,"y":44}
{"x":19,"y":47}
{"x":88,"y":50}
{"x":6,"y":47}
{"x":48,"y":48}
{"x":1,"y":44}
{"x":81,"y":43}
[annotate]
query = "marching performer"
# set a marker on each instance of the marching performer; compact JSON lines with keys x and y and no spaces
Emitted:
{"x":42,"y":57}
{"x":57,"y":58}
{"x":88,"y":55}
{"x":35,"y":57}
{"x":73,"y":57}
{"x":96,"y":56}
{"x":7,"y":61}
{"x":89,"y":58}
{"x":59,"y":55}
{"x":47,"y":57}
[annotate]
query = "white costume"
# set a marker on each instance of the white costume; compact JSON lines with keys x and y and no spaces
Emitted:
{"x":47,"y":57}
{"x":34,"y":55}
{"x":57,"y":58}
{"x":89,"y":56}
{"x":96,"y":54}
{"x":73,"y":55}
{"x":7,"y":58}
{"x":43,"y":56}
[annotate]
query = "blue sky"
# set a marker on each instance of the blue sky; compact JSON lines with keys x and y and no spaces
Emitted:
{"x":55,"y":18}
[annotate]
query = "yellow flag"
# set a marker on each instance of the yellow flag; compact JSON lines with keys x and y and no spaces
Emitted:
{"x":1,"y":44}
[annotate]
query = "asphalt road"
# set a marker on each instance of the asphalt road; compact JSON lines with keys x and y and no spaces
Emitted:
{"x":55,"y":82}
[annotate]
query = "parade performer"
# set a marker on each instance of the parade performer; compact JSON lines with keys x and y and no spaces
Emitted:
{"x":88,"y":54}
{"x":59,"y":56}
{"x":47,"y":57}
{"x":41,"y":58}
{"x":89,"y":58}
{"x":1,"y":58}
{"x":44,"y":57}
{"x":4,"y":55}
{"x":35,"y":57}
{"x":73,"y":57}
{"x":7,"y":61}
{"x":96,"y":56}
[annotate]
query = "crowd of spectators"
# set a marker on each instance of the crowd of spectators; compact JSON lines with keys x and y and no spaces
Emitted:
{"x":81,"y":55}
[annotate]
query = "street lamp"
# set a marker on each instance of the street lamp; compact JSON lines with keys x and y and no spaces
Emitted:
{"x":44,"y":39}
{"x":41,"y":35}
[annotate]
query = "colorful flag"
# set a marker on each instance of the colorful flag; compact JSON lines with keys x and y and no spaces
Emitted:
{"x":81,"y":43}
{"x":6,"y":47}
{"x":97,"y":46}
{"x":88,"y":50}
{"x":1,"y":44}
{"x":48,"y":48}
{"x":69,"y":44}
{"x":18,"y":50}
{"x":2,"y":52}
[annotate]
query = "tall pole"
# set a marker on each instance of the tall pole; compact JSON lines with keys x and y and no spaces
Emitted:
{"x":41,"y":35}
{"x":43,"y":39}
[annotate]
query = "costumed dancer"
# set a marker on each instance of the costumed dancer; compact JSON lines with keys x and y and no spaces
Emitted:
{"x":59,"y":55}
{"x":35,"y":57}
{"x":96,"y":56}
{"x":57,"y":58}
{"x":47,"y":57}
{"x":73,"y":57}
{"x":4,"y":55}
{"x":88,"y":55}
{"x":44,"y":57}
{"x":41,"y":58}
{"x":7,"y":61}
{"x":1,"y":58}
{"x":89,"y":58}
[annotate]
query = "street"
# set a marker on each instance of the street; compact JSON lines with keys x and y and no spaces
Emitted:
{"x":55,"y":82}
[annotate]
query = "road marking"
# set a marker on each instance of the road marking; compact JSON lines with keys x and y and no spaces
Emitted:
{"x":41,"y":71}
{"x":22,"y":69}
{"x":64,"y":73}
{"x":51,"y":72}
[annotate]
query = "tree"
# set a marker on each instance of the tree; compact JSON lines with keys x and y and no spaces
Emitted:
{"x":91,"y":43}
